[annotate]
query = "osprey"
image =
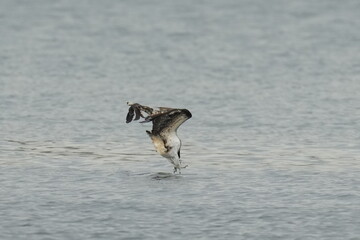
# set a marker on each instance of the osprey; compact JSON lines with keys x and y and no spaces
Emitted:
{"x":165,"y":121}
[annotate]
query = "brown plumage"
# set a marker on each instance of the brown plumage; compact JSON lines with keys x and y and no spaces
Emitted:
{"x":165,"y":121}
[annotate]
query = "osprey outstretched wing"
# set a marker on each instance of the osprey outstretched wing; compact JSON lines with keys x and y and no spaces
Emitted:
{"x":165,"y":121}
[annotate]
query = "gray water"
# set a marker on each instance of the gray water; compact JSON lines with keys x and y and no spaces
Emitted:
{"x":273,"y":147}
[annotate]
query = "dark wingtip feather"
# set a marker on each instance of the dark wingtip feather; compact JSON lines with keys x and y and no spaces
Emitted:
{"x":137,"y":114}
{"x":130,"y":115}
{"x":187,"y":113}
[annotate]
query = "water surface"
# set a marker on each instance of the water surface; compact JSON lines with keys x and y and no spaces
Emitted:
{"x":272,"y":148}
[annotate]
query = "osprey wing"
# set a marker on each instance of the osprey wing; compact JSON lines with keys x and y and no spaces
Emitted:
{"x":137,"y":111}
{"x":169,"y":121}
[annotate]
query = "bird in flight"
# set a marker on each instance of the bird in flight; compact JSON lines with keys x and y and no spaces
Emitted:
{"x":165,"y":121}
